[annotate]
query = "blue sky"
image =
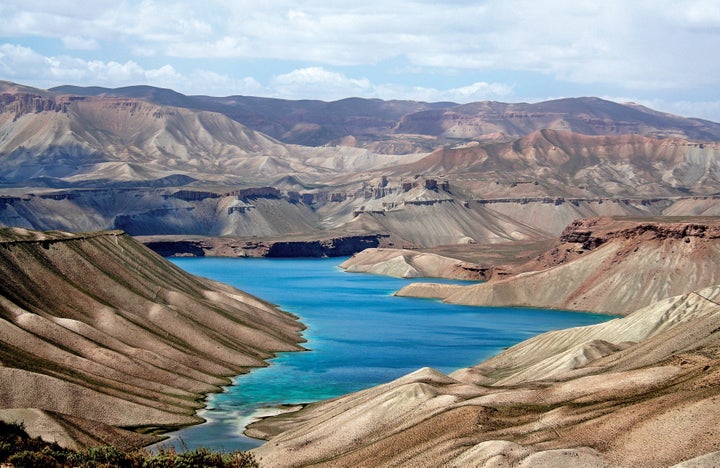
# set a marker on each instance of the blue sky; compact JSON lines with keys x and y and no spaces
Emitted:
{"x":660,"y":53}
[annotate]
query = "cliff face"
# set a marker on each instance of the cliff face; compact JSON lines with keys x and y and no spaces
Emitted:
{"x":100,"y":334}
{"x":232,"y":247}
{"x":606,"y":265}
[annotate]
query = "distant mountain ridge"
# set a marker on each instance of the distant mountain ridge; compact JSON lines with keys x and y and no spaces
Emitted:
{"x":370,"y":121}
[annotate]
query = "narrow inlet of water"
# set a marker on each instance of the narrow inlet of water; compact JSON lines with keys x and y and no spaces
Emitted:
{"x":359,"y":335}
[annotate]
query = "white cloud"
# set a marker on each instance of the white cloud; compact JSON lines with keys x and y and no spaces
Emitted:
{"x":217,"y":84}
{"x":328,"y":85}
{"x":659,"y":44}
{"x":644,"y":47}
{"x":21,"y":63}
{"x":79,"y":43}
{"x":708,"y":110}
{"x":24,"y":65}
{"x":314,"y":81}
{"x":479,"y":91}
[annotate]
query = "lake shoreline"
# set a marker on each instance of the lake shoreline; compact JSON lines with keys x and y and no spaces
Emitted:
{"x":337,"y":331}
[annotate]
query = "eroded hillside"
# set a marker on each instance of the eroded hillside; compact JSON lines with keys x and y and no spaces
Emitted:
{"x":155,"y":162}
{"x":400,"y":127}
{"x":99,"y":336}
{"x":606,"y":265}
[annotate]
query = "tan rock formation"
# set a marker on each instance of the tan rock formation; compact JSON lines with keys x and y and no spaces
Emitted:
{"x":97,"y":331}
{"x":605,"y":265}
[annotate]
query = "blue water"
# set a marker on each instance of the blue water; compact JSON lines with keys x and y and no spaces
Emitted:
{"x":359,"y":335}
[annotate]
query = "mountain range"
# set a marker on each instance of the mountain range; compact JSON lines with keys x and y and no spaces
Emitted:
{"x":155,"y":162}
{"x":377,"y":124}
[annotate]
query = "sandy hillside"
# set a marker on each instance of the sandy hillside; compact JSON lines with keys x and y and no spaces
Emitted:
{"x":640,"y":390}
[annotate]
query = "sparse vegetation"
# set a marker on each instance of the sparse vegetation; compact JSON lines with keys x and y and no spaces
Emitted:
{"x":22,"y":451}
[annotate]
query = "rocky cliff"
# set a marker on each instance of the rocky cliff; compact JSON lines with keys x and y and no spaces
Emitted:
{"x":607,"y":265}
{"x":100,"y":337}
{"x":235,"y":247}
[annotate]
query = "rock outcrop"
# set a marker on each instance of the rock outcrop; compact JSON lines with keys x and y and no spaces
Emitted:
{"x":605,"y":265}
{"x":485,"y":172}
{"x":99,"y":336}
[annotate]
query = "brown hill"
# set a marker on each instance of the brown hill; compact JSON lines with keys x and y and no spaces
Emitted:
{"x":586,"y":115}
{"x":352,"y":121}
{"x":605,"y":265}
{"x":152,"y":162}
{"x":100,"y":336}
{"x":402,"y":263}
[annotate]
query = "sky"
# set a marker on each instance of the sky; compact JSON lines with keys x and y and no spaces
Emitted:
{"x":659,"y":53}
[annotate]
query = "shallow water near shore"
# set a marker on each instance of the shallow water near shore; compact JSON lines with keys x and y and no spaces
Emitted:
{"x":359,"y":335}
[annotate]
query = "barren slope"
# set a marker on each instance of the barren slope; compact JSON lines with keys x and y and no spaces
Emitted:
{"x":566,"y":164}
{"x":71,"y":139}
{"x":399,"y":127}
{"x":603,"y":265}
{"x":97,"y":331}
{"x":402,"y":263}
{"x":120,"y":159}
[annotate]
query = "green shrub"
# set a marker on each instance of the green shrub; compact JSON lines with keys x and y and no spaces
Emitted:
{"x":27,"y":459}
{"x":21,"y":450}
{"x":201,"y":457}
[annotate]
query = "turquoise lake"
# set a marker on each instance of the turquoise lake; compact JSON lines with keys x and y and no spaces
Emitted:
{"x":358,"y":335}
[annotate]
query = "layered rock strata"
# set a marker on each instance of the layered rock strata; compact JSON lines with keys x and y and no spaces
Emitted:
{"x":605,"y":265}
{"x":403,"y":263}
{"x":340,"y":246}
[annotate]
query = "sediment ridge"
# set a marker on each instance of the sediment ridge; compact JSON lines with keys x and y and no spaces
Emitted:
{"x":403,"y":263}
{"x":103,"y":341}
